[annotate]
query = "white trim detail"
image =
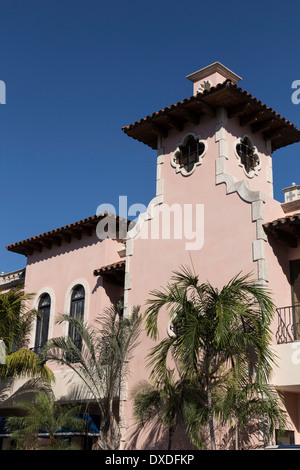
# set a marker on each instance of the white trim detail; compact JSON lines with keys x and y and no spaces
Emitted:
{"x":67,"y":303}
{"x":14,"y":276}
{"x":256,"y":169}
{"x":256,"y":198}
{"x":131,"y":234}
{"x":270,"y":168}
{"x":35,"y":305}
{"x":159,"y":179}
{"x":175,"y":165}
{"x":143,"y":217}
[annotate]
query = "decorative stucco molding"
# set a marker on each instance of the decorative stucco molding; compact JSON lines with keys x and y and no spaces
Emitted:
{"x":35,"y":305}
{"x":131,"y":235}
{"x":270,"y":168}
{"x":256,"y":198}
{"x":14,"y":277}
{"x":67,"y":302}
{"x":159,"y":179}
{"x":256,"y":169}
{"x":143,"y":217}
{"x":204,"y":86}
{"x":176,"y":165}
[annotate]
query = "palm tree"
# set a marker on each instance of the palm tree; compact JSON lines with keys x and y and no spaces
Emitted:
{"x":216,"y":331}
{"x":15,"y":326}
{"x":243,"y":403}
{"x":100,"y":362}
{"x":15,"y":318}
{"x":44,"y":417}
{"x":162,"y":402}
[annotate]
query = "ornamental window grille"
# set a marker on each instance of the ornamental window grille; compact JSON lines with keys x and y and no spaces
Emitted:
{"x":247,"y":153}
{"x":189,"y":153}
{"x":42,"y":322}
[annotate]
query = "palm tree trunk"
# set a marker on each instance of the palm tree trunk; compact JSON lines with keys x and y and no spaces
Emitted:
{"x":237,"y":435}
{"x":52,"y":440}
{"x":109,"y":435}
{"x":171,"y":433}
{"x":211,"y":421}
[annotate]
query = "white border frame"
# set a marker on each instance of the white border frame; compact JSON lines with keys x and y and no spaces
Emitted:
{"x":174,"y":154}
{"x":67,"y":303}
{"x":35,"y":305}
{"x":258,"y":167}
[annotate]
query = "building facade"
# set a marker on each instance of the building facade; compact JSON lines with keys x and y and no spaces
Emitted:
{"x":213,"y":210}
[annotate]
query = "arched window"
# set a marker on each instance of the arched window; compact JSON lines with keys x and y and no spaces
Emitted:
{"x":76,"y":311}
{"x":42,"y":322}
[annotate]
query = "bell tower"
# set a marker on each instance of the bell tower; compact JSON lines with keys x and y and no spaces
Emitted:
{"x":214,"y":149}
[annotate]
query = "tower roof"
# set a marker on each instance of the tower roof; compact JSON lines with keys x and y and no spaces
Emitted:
{"x":238,"y":102}
{"x":216,"y":67}
{"x":212,"y":75}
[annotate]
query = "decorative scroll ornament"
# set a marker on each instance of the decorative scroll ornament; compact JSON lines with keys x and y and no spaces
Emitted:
{"x":204,"y":86}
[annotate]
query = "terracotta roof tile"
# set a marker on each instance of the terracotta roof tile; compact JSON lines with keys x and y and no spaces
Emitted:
{"x":289,"y":219}
{"x":118,"y":266}
{"x":75,"y":229}
{"x":285,"y":229}
{"x":226,"y":94}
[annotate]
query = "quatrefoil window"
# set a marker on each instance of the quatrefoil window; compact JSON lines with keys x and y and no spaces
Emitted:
{"x":188,"y":154}
{"x":248,"y":156}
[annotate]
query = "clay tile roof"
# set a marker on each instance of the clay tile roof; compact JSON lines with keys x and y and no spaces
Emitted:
{"x":119,"y":266}
{"x":239,"y":103}
{"x":58,"y":235}
{"x":287,"y":220}
{"x":285,"y":229}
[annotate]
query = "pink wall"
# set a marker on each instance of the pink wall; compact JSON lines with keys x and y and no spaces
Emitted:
{"x":229,"y":232}
{"x":61,"y":268}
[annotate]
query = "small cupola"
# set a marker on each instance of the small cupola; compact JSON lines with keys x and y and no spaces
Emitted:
{"x":292,"y":193}
{"x":291,"y":198}
{"x":211,"y":76}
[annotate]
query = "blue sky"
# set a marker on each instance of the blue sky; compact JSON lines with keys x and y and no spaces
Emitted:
{"x":77,"y":71}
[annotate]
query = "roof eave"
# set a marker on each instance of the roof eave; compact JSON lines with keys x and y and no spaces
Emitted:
{"x":239,"y":104}
{"x":64,"y":234}
{"x":285,"y":230}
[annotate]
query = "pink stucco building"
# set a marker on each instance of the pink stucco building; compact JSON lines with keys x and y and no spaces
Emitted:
{"x":213,"y":209}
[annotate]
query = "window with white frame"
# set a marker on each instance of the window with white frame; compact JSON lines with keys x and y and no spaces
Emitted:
{"x":42,"y":322}
{"x":76,"y":311}
{"x":188,"y":154}
{"x":248,"y":155}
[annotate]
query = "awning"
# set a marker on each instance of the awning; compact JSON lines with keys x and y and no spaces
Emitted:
{"x":112,"y":272}
{"x":285,"y":230}
{"x":3,"y":431}
{"x":92,"y":428}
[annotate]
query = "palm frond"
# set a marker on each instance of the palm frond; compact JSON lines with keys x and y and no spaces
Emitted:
{"x":221,"y":335}
{"x":23,"y":363}
{"x":99,"y":360}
